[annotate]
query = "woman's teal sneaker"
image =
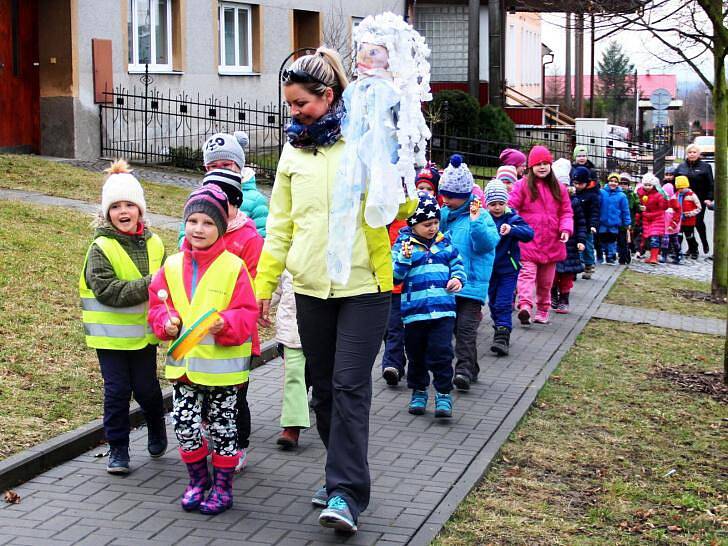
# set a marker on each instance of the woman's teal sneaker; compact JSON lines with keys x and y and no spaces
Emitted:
{"x":338,"y":516}
{"x":418,"y":403}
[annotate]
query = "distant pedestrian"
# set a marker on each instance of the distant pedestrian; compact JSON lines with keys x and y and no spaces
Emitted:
{"x":508,"y":175}
{"x":113,"y":285}
{"x":690,"y":207}
{"x":670,"y":246}
{"x":614,"y":217}
{"x":590,"y":199}
{"x":514,"y":158}
{"x":629,"y":237}
{"x":544,"y":204}
{"x":431,"y":271}
{"x":700,"y":176}
{"x":652,"y":215}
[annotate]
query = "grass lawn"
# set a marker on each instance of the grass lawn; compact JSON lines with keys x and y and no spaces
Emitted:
{"x":664,"y":293}
{"x":49,"y":379}
{"x":611,"y":453}
{"x":27,"y":172}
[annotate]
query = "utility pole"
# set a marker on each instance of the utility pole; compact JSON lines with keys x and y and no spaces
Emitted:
{"x":496,"y":52}
{"x":567,"y":71}
{"x":474,"y":48}
{"x":579,"y":76}
{"x":591,"y":77}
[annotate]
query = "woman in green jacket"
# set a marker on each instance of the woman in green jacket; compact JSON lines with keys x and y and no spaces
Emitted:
{"x":341,"y":325}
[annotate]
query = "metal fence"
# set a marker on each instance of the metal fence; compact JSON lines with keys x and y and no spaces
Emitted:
{"x":149,"y":126}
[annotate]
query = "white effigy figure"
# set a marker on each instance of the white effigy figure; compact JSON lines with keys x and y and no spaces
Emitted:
{"x":384,"y":131}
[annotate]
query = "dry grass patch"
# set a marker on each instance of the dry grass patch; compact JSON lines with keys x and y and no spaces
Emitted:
{"x":31,"y":173}
{"x":665,"y":293}
{"x":610,"y":453}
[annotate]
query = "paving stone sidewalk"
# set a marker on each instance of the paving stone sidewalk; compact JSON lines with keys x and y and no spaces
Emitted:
{"x":421,"y":468}
{"x":636,"y":315}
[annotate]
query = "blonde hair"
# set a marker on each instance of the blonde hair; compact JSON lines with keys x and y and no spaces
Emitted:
{"x":691,"y":147}
{"x":324,"y":65}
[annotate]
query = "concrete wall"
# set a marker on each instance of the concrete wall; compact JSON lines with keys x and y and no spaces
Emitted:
{"x":196,"y":65}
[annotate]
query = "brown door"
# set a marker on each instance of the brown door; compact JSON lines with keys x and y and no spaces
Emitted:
{"x":19,"y":92}
{"x":306,"y":29}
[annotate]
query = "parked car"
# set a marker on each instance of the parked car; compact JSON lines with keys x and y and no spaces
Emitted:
{"x":707,"y":146}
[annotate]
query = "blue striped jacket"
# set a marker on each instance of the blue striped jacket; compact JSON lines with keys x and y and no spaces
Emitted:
{"x":424,"y":276}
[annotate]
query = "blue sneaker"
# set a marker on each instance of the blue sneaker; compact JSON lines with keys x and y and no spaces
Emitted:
{"x":118,"y":460}
{"x":338,"y":516}
{"x":320,"y":498}
{"x":418,"y":403}
{"x":443,"y":405}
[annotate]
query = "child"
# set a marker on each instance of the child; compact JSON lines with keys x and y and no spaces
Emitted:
{"x":512,"y":229}
{"x":568,"y":269}
{"x":202,"y":277}
{"x":690,"y":207}
{"x":671,"y":239}
{"x":544,"y":204}
{"x":225,"y":151}
{"x":669,"y":178}
{"x":430,"y":270}
{"x":294,"y":410}
{"x":581,"y":159}
{"x":514,"y":158}
{"x":614,"y":217}
{"x":113,"y":286}
{"x":590,"y":199}
{"x":508,"y":175}
{"x":626,"y":243}
{"x":652,"y":214}
{"x":243,"y":240}
{"x":474,"y":235}
{"x":393,"y":359}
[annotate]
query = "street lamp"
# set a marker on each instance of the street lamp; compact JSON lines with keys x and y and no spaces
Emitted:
{"x":707,"y":94}
{"x":547,"y":57}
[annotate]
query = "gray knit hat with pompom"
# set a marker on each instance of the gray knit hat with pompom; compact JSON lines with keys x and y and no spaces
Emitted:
{"x":226,"y":147}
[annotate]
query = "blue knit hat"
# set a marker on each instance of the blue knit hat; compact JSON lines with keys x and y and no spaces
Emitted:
{"x":496,"y":191}
{"x":457,"y":180}
{"x":427,"y":209}
{"x":581,"y":174}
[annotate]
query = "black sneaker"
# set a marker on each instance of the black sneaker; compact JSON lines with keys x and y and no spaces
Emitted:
{"x":461,"y":382}
{"x":157,"y":439}
{"x":118,"y":460}
{"x":391,"y":376}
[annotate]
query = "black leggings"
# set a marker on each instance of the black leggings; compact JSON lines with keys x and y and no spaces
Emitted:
{"x":700,"y":228}
{"x":341,"y":338}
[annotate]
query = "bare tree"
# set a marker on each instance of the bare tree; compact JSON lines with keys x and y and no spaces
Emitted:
{"x":686,"y":32}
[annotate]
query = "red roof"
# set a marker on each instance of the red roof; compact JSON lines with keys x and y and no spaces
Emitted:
{"x":647,"y":83}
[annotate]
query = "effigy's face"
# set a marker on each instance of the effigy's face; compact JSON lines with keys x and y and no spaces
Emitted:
{"x":371,"y":57}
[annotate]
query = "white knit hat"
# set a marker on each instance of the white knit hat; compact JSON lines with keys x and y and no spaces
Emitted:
{"x":122,"y":187}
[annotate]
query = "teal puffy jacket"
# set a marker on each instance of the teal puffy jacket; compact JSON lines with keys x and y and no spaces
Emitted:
{"x":255,"y":204}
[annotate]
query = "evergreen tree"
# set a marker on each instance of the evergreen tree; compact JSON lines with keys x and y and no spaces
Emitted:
{"x":616,"y":85}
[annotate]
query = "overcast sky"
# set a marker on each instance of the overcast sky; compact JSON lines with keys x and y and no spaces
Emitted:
{"x":636,"y":44}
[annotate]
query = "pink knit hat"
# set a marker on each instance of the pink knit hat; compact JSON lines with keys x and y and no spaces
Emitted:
{"x":539,"y":154}
{"x":507,"y":174}
{"x":514,"y":158}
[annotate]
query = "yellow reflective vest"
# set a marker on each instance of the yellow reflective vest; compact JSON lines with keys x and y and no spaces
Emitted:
{"x":207,"y":363}
{"x":120,"y":328}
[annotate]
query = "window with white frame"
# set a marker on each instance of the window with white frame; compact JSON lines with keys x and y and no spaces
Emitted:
{"x":149,"y":25}
{"x":236,"y":38}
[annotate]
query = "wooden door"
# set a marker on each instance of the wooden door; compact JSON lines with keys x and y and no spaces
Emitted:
{"x":19,"y":69}
{"x":306,"y":29}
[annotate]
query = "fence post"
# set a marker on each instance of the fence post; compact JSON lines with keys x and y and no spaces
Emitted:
{"x":445,"y":111}
{"x":145,"y":81}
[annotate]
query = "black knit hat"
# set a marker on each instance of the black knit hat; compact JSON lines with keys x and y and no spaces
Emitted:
{"x":228,"y":181}
{"x":426,"y":210}
{"x":210,"y":200}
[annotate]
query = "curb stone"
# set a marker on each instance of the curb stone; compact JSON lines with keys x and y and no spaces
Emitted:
{"x":482,"y":462}
{"x":27,"y":464}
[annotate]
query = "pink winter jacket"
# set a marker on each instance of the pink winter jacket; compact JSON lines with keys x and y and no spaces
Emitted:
{"x":653,"y":219}
{"x":241,"y":314}
{"x":243,"y":240}
{"x":547,"y":217}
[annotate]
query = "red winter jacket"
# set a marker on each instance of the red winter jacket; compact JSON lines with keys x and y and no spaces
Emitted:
{"x":241,"y":314}
{"x":394,"y":228}
{"x":653,"y":218}
{"x":690,"y":207}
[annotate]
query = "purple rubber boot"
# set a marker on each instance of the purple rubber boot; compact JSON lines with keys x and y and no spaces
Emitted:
{"x":221,"y":494}
{"x":196,"y":462}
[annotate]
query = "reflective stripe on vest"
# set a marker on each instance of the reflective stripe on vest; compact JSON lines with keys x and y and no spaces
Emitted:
{"x":120,"y":328}
{"x":208,"y":363}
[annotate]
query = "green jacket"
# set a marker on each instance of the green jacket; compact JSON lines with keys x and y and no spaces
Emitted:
{"x":298,"y":228}
{"x":102,"y":280}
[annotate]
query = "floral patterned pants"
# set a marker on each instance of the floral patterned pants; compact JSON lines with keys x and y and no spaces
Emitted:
{"x":221,"y":415}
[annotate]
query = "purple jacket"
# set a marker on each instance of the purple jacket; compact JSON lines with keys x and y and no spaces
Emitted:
{"x":547,"y":217}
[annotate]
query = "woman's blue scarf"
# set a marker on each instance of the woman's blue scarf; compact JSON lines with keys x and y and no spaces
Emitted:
{"x":323,"y":132}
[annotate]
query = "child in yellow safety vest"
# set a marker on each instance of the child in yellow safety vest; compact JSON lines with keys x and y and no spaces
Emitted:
{"x":203,"y":277}
{"x":113,"y":287}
